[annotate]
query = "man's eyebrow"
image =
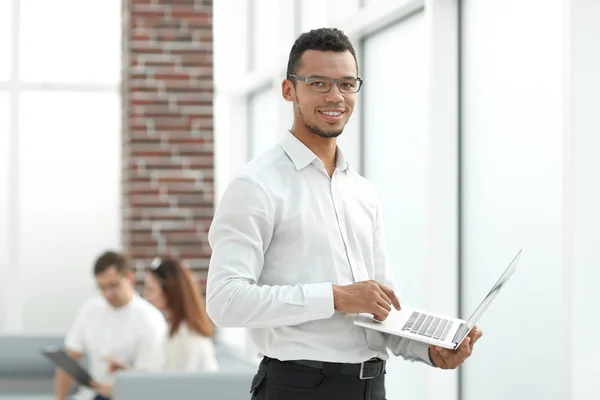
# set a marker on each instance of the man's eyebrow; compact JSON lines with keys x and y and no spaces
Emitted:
{"x":326,"y":77}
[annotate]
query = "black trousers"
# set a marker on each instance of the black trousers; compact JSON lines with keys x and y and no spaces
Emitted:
{"x":285,"y":380}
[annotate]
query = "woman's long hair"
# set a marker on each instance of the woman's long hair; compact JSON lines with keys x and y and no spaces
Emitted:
{"x":183,"y":296}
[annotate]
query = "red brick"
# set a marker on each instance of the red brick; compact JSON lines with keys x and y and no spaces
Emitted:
{"x":168,"y":155}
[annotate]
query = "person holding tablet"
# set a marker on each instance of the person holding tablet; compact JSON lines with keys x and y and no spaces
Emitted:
{"x":118,"y":323}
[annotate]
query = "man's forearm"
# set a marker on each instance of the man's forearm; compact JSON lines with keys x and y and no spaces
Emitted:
{"x":62,"y":384}
{"x":62,"y":380}
{"x":239,"y":304}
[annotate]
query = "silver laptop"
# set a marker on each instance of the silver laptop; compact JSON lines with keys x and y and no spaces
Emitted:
{"x":431,"y":328}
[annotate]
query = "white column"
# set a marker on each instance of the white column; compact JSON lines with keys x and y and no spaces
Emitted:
{"x":230,"y":60}
{"x":14,"y":304}
{"x":442,"y":131}
{"x":582,"y":193}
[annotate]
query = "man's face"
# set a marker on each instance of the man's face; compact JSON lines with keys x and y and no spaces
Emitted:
{"x":115,"y":287}
{"x":324,"y":114}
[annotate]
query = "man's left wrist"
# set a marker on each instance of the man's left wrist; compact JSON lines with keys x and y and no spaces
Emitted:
{"x":430,"y":358}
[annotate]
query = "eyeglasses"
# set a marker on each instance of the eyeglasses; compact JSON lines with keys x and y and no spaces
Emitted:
{"x":319,"y":84}
{"x":110,"y":287}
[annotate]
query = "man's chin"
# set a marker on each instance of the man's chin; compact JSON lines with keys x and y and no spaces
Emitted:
{"x":327,"y":134}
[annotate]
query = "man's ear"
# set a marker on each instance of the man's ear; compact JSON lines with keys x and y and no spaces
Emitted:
{"x":131,"y":277}
{"x":288,"y":90}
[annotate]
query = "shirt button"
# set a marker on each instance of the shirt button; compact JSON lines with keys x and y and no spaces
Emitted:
{"x":322,"y":314}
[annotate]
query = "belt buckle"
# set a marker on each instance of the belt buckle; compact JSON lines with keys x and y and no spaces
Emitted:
{"x":361,"y":374}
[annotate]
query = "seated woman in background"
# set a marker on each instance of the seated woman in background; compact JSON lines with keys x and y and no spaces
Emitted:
{"x":171,"y":288}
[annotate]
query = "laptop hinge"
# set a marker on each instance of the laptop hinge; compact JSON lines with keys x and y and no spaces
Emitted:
{"x":459,"y":333}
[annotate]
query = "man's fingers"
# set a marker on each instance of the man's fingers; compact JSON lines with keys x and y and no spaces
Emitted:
{"x":475,"y":334}
{"x":390,"y":295}
{"x":385,"y":299}
{"x":452,"y":358}
{"x":385,"y":304}
{"x":380,"y":313}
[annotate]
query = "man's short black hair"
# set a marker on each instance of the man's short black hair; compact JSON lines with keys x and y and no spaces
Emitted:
{"x":322,"y":39}
{"x":110,"y":259}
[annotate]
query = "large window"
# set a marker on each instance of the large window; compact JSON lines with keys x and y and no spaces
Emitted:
{"x":395,"y":159}
{"x":59,"y":45}
{"x":60,"y":157}
{"x":264,"y":130}
{"x":264,"y":24}
{"x":70,"y":208}
{"x":512,"y":198}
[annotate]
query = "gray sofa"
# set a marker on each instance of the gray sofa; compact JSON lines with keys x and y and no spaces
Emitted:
{"x":231,"y":382}
{"x":23,"y":370}
{"x":223,"y":385}
{"x":25,"y":374}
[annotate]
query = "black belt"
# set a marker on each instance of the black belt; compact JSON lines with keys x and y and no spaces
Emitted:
{"x":366,"y":370}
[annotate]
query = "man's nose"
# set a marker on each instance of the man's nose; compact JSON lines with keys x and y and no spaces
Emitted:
{"x":334,"y":95}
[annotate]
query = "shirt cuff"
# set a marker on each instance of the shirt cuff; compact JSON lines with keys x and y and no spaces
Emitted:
{"x":421,"y":351}
{"x":73,"y":345}
{"x":320,"y":300}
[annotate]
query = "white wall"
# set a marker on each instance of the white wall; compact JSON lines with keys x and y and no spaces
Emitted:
{"x":60,"y":158}
{"x":582,"y":193}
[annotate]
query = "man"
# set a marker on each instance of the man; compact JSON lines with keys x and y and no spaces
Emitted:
{"x":298,"y":247}
{"x":119,"y":324}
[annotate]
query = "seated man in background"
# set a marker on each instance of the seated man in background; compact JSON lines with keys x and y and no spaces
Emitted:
{"x":118,"y":324}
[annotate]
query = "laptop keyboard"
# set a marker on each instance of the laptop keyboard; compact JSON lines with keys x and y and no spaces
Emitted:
{"x":427,"y":325}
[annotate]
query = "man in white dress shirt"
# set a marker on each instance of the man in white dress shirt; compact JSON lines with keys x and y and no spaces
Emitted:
{"x":117,"y":324}
{"x":298,"y":247}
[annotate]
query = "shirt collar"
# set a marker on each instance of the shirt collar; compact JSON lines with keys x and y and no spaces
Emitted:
{"x":302,"y":156}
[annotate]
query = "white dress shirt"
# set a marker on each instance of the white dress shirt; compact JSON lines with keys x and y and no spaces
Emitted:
{"x":134,"y":333}
{"x":282,"y":234}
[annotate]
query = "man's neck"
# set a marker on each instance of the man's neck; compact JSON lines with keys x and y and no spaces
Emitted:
{"x":324,"y":148}
{"x":127,"y":301}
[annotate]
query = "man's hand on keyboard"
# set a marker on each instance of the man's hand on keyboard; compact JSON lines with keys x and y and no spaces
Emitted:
{"x":365,"y":297}
{"x":450,"y":359}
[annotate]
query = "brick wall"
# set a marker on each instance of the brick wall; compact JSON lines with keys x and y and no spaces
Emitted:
{"x":168,"y":130}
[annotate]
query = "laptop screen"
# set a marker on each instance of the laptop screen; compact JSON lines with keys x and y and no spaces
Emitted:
{"x":490,"y":297}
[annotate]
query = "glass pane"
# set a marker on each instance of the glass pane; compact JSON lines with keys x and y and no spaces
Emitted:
{"x":395,"y":151}
{"x":71,"y":41}
{"x":264,"y":24}
{"x":70,"y":197}
{"x":339,"y":10}
{"x":314,"y":14}
{"x":512,"y":194}
{"x":4,"y":204}
{"x":287,"y":28}
{"x":264,"y":131}
{"x":5,"y":39}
